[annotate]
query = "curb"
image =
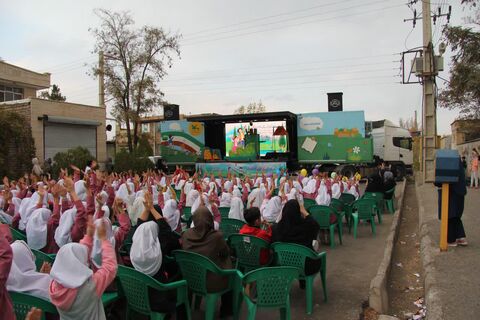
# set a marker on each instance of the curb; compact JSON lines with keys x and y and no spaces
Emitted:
{"x":378,"y":293}
{"x":428,"y":251}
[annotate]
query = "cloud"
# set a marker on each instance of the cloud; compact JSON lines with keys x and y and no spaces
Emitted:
{"x":175,"y":126}
{"x":311,"y":123}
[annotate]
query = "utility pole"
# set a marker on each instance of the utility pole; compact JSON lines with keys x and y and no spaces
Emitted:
{"x":101,"y":83}
{"x":429,"y":121}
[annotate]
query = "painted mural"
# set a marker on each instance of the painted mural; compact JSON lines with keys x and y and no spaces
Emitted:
{"x":333,"y":137}
{"x":242,"y":169}
{"x":182,"y":141}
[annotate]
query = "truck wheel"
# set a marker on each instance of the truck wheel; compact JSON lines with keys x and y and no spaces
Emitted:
{"x":399,"y":172}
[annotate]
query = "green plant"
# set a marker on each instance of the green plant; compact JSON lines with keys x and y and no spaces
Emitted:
{"x":144,"y":148}
{"x":125,"y":161}
{"x":17,"y":143}
{"x":78,"y":156}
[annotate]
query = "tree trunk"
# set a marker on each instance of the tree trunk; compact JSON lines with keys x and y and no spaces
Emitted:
{"x":135,"y":134}
{"x":129,"y":135}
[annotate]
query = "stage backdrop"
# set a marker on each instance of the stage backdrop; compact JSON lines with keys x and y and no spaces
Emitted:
{"x":182,"y":141}
{"x":241,"y":168}
{"x":333,"y":137}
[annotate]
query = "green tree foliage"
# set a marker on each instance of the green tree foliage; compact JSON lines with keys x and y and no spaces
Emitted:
{"x":463,"y":90}
{"x":54,"y":94}
{"x":144,"y":148}
{"x":78,"y":156}
{"x":125,"y":161}
{"x":17,"y":143}
{"x":136,"y":59}
{"x":253,"y":107}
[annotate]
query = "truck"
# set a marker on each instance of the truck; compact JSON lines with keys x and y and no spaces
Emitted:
{"x":331,"y":141}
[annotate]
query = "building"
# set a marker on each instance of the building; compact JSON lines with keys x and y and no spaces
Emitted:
{"x":56,"y":126}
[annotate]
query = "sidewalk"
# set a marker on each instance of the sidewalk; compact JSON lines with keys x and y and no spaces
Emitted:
{"x":452,"y":283}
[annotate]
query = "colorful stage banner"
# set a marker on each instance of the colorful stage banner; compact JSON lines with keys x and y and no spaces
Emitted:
{"x":241,"y":169}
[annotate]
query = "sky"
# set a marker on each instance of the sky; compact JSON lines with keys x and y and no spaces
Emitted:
{"x":286,"y":53}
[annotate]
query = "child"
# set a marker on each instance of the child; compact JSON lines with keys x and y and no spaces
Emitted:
{"x":254,"y":228}
{"x":76,"y":290}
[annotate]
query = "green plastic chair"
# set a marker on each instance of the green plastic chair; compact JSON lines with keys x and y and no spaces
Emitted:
{"x":178,"y":193}
{"x":41,"y":257}
{"x":23,"y":302}
{"x":379,"y":203}
{"x":187,"y":216}
{"x":295,"y":255}
{"x":364,"y":209}
{"x":390,"y":203}
{"x":340,"y":210}
{"x":194,"y":268}
{"x":18,"y":235}
{"x":230,"y":226}
{"x":272,"y":290}
{"x":347,"y":198}
{"x":247,"y":250}
{"x":275,"y":192}
{"x":224,"y":211}
{"x":134,"y":285}
{"x":307,"y":203}
{"x":321,"y":214}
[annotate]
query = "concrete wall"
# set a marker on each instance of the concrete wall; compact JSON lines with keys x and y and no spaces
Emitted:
{"x":23,"y":78}
{"x":39,"y":107}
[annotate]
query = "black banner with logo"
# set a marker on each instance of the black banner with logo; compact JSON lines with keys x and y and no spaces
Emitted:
{"x":335,"y":101}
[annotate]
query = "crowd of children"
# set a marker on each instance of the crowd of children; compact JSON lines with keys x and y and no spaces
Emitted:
{"x":84,"y":218}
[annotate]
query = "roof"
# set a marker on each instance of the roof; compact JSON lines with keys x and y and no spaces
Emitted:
{"x":265,"y":116}
{"x":18,"y":76}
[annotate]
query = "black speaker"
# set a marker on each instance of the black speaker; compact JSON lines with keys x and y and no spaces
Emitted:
{"x":335,"y":101}
{"x":171,"y":112}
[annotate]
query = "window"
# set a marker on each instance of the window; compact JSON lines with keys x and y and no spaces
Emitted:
{"x":10,"y":93}
{"x":123,"y":125}
{"x":402,"y":142}
{"x":145,"y":127}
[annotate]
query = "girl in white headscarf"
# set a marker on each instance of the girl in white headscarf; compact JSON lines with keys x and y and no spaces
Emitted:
{"x":136,"y":210}
{"x":353,"y":191}
{"x":271,"y":209}
{"x":171,"y":213}
{"x":323,"y":198}
{"x":192,"y":195}
{"x":36,"y":201}
{"x":254,"y":199}
{"x":23,"y":276}
{"x":37,"y":228}
{"x":294,"y":194}
{"x":310,"y":187}
{"x":236,"y":209}
{"x":76,"y":290}
{"x":226,"y":199}
{"x":96,"y":254}
{"x":63,"y":233}
{"x":146,"y":253}
{"x":336,"y":193}
{"x":236,"y":192}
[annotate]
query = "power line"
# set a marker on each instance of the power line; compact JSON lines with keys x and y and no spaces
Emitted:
{"x":287,"y":20}
{"x":293,"y":25}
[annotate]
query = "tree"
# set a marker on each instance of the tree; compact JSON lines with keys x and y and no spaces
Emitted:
{"x":463,"y":89}
{"x":252,"y":107}
{"x":410,"y":124}
{"x":136,"y":60}
{"x":54,"y":94}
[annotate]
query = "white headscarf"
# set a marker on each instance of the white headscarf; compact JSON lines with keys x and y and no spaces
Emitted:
{"x":294,"y":194}
{"x":196,"y":204}
{"x":236,"y":192}
{"x":23,"y":276}
{"x":257,"y":182}
{"x":188,"y":187}
{"x":70,"y":268}
{"x":81,"y":190}
{"x":272,"y":209}
{"x":167,"y":195}
{"x":123,"y":194}
{"x":17,"y":202}
{"x":37,"y":228}
{"x":180,"y":184}
{"x":171,"y":213}
{"x":236,"y":209}
{"x":323,"y":198}
{"x":136,"y":211}
{"x":191,"y":197}
{"x":297,"y":185}
{"x":63,"y":233}
{"x":336,"y":193}
{"x":225,"y":199}
{"x":96,"y":254}
{"x":146,"y":253}
{"x":353,"y":191}
{"x":305,"y":181}
{"x":310,"y":188}
{"x":227,"y":185}
{"x":254,"y":203}
{"x":27,"y":209}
